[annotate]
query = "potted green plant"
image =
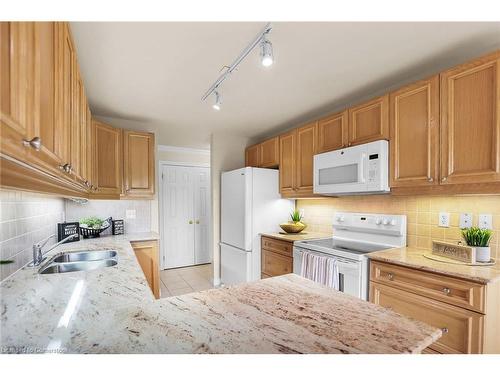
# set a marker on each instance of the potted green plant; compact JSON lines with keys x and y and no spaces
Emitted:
{"x":480,"y":240}
{"x":295,"y":225}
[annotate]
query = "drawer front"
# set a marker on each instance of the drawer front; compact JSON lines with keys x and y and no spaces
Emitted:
{"x":442,"y":288}
{"x":462,"y":329}
{"x":280,"y":247}
{"x":274,"y":264}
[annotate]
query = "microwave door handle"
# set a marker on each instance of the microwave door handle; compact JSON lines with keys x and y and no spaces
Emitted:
{"x":361,"y":170}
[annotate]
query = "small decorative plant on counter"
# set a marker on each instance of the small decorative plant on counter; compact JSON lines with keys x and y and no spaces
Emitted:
{"x":295,"y":225}
{"x":480,"y":240}
{"x":93,"y":226}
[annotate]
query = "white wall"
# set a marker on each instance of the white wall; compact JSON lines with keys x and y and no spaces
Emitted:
{"x":227,"y":152}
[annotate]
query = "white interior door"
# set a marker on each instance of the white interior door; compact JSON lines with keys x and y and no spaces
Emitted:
{"x":201,"y":178}
{"x":186,"y":216}
{"x":178,"y":213}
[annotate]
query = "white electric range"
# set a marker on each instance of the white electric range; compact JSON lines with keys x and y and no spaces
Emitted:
{"x":355,"y":235}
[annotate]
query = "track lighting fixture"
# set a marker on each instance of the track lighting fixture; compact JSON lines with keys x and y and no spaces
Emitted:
{"x":266,"y":55}
{"x":217,"y":102}
{"x":266,"y":52}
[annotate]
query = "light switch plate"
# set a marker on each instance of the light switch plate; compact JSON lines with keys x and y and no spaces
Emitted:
{"x":130,"y":214}
{"x":444,"y":219}
{"x":485,"y":221}
{"x":465,"y":220}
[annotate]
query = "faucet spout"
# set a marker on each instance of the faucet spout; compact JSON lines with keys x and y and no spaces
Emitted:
{"x":37,"y":248}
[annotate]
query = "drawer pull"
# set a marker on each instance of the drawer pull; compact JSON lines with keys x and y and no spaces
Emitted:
{"x":444,"y":330}
{"x":390,"y":276}
{"x":446,"y":291}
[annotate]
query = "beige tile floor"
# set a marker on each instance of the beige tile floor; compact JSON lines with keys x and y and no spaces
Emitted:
{"x":185,"y":280}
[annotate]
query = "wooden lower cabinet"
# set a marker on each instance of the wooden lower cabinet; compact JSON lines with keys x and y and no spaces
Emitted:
{"x":147,"y":256}
{"x":276,"y":257}
{"x":466,"y":312}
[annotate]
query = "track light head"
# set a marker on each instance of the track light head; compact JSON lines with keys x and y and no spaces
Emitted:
{"x":266,"y":52}
{"x":218,"y":101}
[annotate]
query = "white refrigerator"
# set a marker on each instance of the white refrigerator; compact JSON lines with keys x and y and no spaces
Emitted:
{"x":250,"y":204}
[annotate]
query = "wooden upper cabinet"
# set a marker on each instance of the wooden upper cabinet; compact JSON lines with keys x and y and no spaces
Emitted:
{"x":470,"y":124}
{"x":252,"y":156}
{"x":138,"y":163}
{"x":269,"y":153}
{"x":108,"y":157}
{"x":414,"y":129}
{"x":17,"y":70}
{"x":332,"y":132}
{"x":305,"y":150}
{"x":369,"y":121}
{"x":287,"y":163}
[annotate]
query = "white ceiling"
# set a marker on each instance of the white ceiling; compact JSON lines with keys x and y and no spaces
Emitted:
{"x":152,"y":75}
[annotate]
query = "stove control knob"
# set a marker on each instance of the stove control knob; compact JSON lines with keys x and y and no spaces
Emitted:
{"x":393,"y":222}
{"x":385,"y":222}
{"x":378,"y":221}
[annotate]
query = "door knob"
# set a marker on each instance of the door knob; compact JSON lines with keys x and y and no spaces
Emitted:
{"x":36,"y":143}
{"x":197,"y":222}
{"x":190,"y":221}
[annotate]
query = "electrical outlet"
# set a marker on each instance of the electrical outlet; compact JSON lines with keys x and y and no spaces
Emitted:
{"x":444,"y":219}
{"x":465,"y":220}
{"x":485,"y":221}
{"x":130,"y":214}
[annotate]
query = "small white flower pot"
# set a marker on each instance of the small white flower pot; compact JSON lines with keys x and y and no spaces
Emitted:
{"x":483,"y":254}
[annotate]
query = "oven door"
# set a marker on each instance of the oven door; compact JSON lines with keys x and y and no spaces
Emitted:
{"x":341,"y":171}
{"x":350,"y":272}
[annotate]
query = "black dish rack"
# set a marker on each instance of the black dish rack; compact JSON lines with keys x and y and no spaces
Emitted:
{"x":94,"y":232}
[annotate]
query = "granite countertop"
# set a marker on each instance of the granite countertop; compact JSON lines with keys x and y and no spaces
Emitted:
{"x":414,"y":258}
{"x":112,"y":310}
{"x":292,"y":237}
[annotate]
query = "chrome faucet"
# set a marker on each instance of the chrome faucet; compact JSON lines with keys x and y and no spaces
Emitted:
{"x":38,"y":257}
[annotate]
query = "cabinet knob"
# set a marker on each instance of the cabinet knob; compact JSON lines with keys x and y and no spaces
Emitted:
{"x":66,"y":168}
{"x":444,"y":179}
{"x":390,"y":276}
{"x":430,"y":179}
{"x":446,"y":290}
{"x":444,"y":330}
{"x":36,"y":143}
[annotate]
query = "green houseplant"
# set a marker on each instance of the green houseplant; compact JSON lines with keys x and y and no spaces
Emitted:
{"x":295,"y":225}
{"x":480,"y":240}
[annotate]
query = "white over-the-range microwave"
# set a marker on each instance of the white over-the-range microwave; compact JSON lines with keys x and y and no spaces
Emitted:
{"x":362,"y":169}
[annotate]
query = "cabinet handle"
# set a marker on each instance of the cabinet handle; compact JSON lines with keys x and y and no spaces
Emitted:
{"x":444,"y":330}
{"x":390,"y":276}
{"x":446,"y":290}
{"x":36,"y":143}
{"x":430,"y":179}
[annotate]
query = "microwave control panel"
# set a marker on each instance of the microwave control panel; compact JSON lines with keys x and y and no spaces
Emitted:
{"x":373,"y":168}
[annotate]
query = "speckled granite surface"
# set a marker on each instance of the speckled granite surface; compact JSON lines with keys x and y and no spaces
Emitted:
{"x":296,"y":237}
{"x":414,"y":258}
{"x":112,"y":310}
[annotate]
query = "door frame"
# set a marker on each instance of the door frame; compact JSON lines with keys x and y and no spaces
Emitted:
{"x":161,"y":198}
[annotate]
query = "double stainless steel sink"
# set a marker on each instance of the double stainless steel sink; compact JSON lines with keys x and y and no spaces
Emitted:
{"x":85,"y":260}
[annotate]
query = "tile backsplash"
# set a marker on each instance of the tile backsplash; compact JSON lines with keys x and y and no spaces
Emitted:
{"x":25,"y":218}
{"x":422,"y":214}
{"x":117,"y":209}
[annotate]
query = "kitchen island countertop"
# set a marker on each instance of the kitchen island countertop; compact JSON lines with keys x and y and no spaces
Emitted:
{"x":112,"y":310}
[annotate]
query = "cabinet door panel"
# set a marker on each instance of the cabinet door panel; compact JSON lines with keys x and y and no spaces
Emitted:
{"x":146,"y":253}
{"x":462,"y":329}
{"x":470,"y":124}
{"x":17,"y":62}
{"x":139,"y":162}
{"x":269,"y":153}
{"x":369,"y":121}
{"x":332,"y":132}
{"x":252,"y":156}
{"x":274,"y":264}
{"x":287,"y":163}
{"x":305,"y":150}
{"x":414,"y":116}
{"x":107,"y":143}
